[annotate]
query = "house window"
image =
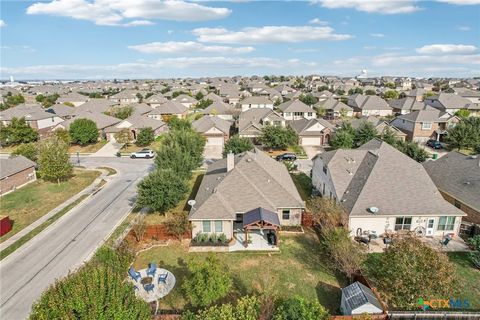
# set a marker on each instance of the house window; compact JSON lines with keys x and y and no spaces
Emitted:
{"x":286,"y":214}
{"x":298,"y":114}
{"x":207,"y":226}
{"x":287,"y":114}
{"x":310,"y":114}
{"x":218,"y":226}
{"x":239,"y":218}
{"x":403,"y":223}
{"x":426,"y":126}
{"x":446,"y":223}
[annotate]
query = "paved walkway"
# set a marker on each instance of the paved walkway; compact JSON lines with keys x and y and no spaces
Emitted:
{"x":108,"y":150}
{"x":88,"y":190}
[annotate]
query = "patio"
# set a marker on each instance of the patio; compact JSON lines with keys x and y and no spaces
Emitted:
{"x":455,"y":245}
{"x":160,"y":288}
{"x":257,"y":241}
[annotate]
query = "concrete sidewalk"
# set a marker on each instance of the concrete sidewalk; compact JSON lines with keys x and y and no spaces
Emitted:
{"x":108,"y":150}
{"x":88,"y":190}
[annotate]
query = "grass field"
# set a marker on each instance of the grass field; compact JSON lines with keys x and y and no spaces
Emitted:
{"x":36,"y":199}
{"x":303,"y":184}
{"x":299,"y":268}
{"x":469,"y":278}
{"x":89,"y":148}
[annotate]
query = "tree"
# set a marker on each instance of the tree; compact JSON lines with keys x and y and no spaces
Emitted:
{"x":409,"y":270}
{"x":340,"y":92}
{"x":63,"y":135}
{"x":28,"y":150}
{"x":199,"y":96}
{"x":308,"y":99}
{"x":463,"y":113}
{"x":122,"y":112}
{"x":391,"y":94}
{"x":47,"y":101}
{"x":389,"y":136}
{"x":54,"y":160}
{"x":366,"y":132}
{"x":236,"y":145}
{"x":466,"y":134}
{"x":179,"y":124}
{"x":390,"y":85}
{"x":413,"y":150}
{"x":124,"y":136}
{"x":97,"y":291}
{"x":327,"y":213}
{"x":202,"y":104}
{"x":322,"y":88}
{"x":161,"y":190}
{"x":276,"y":137}
{"x":297,"y":308}
{"x":139,"y":226}
{"x":13,"y":100}
{"x":139,"y":96}
{"x":342,"y":140}
{"x":370,"y":92}
{"x":17,"y":131}
{"x":83,"y":131}
{"x":178,"y":225}
{"x":145,"y":137}
{"x":207,"y":281}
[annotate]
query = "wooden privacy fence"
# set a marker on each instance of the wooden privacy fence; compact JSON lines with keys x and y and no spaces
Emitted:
{"x":307,"y":219}
{"x":158,"y":232}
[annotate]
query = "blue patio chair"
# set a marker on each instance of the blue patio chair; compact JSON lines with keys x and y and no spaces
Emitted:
{"x":149,"y":287}
{"x":163,"y":278}
{"x":152,"y":268}
{"x":134,"y":274}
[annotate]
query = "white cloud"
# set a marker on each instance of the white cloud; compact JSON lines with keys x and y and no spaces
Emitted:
{"x":2,"y":24}
{"x":377,"y":35}
{"x":303,"y":50}
{"x":135,"y":23}
{"x":188,"y":47}
{"x":19,"y":48}
{"x":463,"y":28}
{"x":116,"y":12}
{"x":426,"y":60}
{"x":460,"y":2}
{"x":371,"y":6}
{"x":446,"y":49}
{"x":369,"y":47}
{"x":318,"y":21}
{"x":268,"y":34}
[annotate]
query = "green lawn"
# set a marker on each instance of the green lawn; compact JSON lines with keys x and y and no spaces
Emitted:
{"x":89,"y":148}
{"x":300,"y":268}
{"x":469,"y":278}
{"x":303,"y":184}
{"x":36,"y":199}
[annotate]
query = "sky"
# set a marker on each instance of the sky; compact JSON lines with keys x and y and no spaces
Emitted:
{"x":106,"y":39}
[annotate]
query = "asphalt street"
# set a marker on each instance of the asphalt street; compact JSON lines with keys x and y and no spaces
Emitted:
{"x":71,"y":240}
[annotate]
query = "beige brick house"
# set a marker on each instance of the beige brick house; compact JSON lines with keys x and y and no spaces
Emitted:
{"x":15,"y":172}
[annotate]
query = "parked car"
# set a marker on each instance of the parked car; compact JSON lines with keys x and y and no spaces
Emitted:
{"x":286,"y":157}
{"x":144,"y":153}
{"x":434,"y":144}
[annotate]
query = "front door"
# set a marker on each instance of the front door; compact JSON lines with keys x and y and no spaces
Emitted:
{"x":430,"y":226}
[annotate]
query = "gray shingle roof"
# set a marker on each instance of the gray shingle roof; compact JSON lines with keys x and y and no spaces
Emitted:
{"x":428,"y":115}
{"x":13,"y":165}
{"x":27,"y":111}
{"x":295,"y":106}
{"x":368,"y":102}
{"x":206,"y":123}
{"x":333,"y":104}
{"x":170,"y":107}
{"x":103,"y":121}
{"x":458,"y":175}
{"x":255,"y":116}
{"x":407,"y":103}
{"x":300,"y":126}
{"x":256,"y":181}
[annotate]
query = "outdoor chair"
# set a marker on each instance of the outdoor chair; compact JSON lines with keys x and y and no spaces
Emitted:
{"x":134,"y":274}
{"x":163,"y":278}
{"x":152,"y":268}
{"x":149,"y":287}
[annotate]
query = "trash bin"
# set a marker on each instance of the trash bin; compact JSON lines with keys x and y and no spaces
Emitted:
{"x":435,"y":156}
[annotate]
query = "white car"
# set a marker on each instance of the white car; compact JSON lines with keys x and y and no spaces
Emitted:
{"x":144,"y":153}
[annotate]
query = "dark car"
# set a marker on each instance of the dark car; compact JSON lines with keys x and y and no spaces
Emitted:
{"x":286,"y":157}
{"x":434,"y":144}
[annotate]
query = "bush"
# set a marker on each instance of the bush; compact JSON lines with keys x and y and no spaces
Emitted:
{"x":123,"y":112}
{"x":214,"y":238}
{"x":63,"y":135}
{"x":178,"y":225}
{"x":17,"y":131}
{"x":161,"y":190}
{"x":236,"y":145}
{"x":201,"y":237}
{"x":223,"y":238}
{"x":475,"y":255}
{"x":145,"y":137}
{"x":28,"y":150}
{"x":301,"y":309}
{"x":54,"y":160}
{"x":275,"y":137}
{"x":124,"y":136}
{"x":179,"y":124}
{"x":247,"y":308}
{"x":83,"y":131}
{"x":207,"y":282}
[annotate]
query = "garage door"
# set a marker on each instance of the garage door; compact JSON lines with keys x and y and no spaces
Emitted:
{"x":215,"y":141}
{"x":311,"y":141}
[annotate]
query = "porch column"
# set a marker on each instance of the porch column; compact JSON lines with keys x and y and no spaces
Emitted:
{"x":245,"y":241}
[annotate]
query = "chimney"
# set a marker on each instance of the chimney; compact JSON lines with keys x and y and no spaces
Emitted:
{"x":230,"y":161}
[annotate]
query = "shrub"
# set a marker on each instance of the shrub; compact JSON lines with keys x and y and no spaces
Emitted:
{"x":214,"y":238}
{"x":223,"y":238}
{"x":178,"y":225}
{"x":301,"y":309}
{"x":145,"y":137}
{"x":83,"y":131}
{"x":124,"y":136}
{"x":28,"y":150}
{"x":247,"y":308}
{"x":201,"y":237}
{"x":63,"y":135}
{"x":54,"y":160}
{"x":207,"y":282}
{"x":123,"y":112}
{"x":475,"y":255}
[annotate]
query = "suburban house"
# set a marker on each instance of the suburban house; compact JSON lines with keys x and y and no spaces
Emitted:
{"x":472,"y":95}
{"x":284,"y":89}
{"x":215,"y":130}
{"x":384,"y":191}
{"x":167,"y":110}
{"x":35,"y":116}
{"x":185,"y":100}
{"x":295,"y":110}
{"x":417,"y":94}
{"x":101,"y":120}
{"x":451,"y":103}
{"x":125,"y":97}
{"x":248,"y":193}
{"x":96,"y":105}
{"x":251,"y":122}
{"x":219,"y":109}
{"x":155,"y":100}
{"x":74,"y":98}
{"x":324,"y":95}
{"x":334,"y":108}
{"x":313,"y":132}
{"x":406,"y":105}
{"x":16,"y":172}
{"x":422,"y":125}
{"x":358,"y":299}
{"x":63,"y":111}
{"x":457,"y":177}
{"x":380,"y":125}
{"x":256,"y":102}
{"x":135,"y":123}
{"x":364,"y":105}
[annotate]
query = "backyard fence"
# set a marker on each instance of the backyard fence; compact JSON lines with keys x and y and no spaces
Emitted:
{"x":158,"y":232}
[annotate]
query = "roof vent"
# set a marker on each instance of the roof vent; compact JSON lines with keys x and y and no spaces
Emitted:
{"x":373,"y":209}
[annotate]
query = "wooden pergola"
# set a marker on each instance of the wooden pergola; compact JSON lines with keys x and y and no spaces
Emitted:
{"x":260,"y":219}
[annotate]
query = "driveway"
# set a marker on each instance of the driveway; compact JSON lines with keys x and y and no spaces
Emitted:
{"x":440,"y":152}
{"x":70,"y":241}
{"x":108,"y":150}
{"x":213,"y":152}
{"x":312,"y":151}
